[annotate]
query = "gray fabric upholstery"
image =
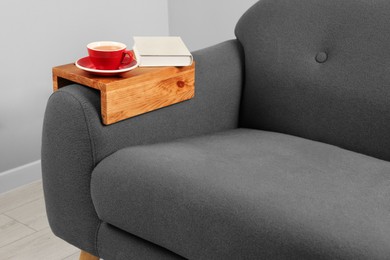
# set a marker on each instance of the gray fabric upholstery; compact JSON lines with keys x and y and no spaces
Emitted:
{"x":67,"y":163}
{"x":215,"y":106}
{"x":74,"y":139}
{"x":185,"y":179}
{"x":248,"y":194}
{"x":116,"y":244}
{"x":342,"y":99}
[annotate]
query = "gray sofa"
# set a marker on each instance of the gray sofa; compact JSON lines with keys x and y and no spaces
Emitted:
{"x":283,"y":153}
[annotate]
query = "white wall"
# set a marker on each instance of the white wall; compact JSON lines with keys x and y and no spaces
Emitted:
{"x":202,"y":23}
{"x":37,"y":35}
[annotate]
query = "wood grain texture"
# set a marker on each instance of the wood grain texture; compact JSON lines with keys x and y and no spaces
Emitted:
{"x":75,"y":256}
{"x":32,"y":215}
{"x":11,"y":230}
{"x":86,"y":256}
{"x":23,"y":215}
{"x":20,"y":196}
{"x":37,"y":246}
{"x":133,"y":93}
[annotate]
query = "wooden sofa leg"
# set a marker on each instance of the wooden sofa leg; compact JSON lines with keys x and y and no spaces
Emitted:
{"x":87,"y":256}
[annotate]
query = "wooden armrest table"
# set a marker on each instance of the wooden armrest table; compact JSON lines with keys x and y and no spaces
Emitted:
{"x":138,"y":91}
{"x":132,"y":93}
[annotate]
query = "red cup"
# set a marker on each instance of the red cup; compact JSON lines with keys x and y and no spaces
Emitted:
{"x":106,"y":55}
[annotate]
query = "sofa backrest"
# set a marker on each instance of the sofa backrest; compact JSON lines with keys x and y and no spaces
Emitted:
{"x":319,"y":69}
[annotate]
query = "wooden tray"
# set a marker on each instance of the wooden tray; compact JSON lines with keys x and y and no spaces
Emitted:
{"x":135,"y":92}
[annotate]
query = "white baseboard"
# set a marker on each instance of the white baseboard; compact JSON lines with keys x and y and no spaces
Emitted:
{"x":20,"y":176}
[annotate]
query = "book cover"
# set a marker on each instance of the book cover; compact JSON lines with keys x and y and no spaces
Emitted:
{"x":162,"y":51}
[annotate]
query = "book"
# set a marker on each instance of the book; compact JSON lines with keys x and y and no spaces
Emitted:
{"x":162,"y":51}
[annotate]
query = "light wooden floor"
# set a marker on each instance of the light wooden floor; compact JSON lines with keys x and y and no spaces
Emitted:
{"x":24,"y":230}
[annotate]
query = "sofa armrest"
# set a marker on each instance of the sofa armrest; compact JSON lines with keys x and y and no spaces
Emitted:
{"x":74,"y":140}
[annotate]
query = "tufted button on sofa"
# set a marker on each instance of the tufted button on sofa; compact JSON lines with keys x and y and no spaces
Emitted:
{"x":284,"y":153}
{"x":321,"y":57}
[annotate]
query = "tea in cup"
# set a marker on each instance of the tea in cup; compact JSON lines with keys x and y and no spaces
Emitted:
{"x":108,"y":55}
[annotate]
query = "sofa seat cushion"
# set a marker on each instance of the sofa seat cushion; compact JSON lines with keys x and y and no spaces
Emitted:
{"x":248,"y":194}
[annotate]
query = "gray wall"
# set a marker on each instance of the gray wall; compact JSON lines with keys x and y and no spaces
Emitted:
{"x":37,"y":35}
{"x":202,"y":23}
